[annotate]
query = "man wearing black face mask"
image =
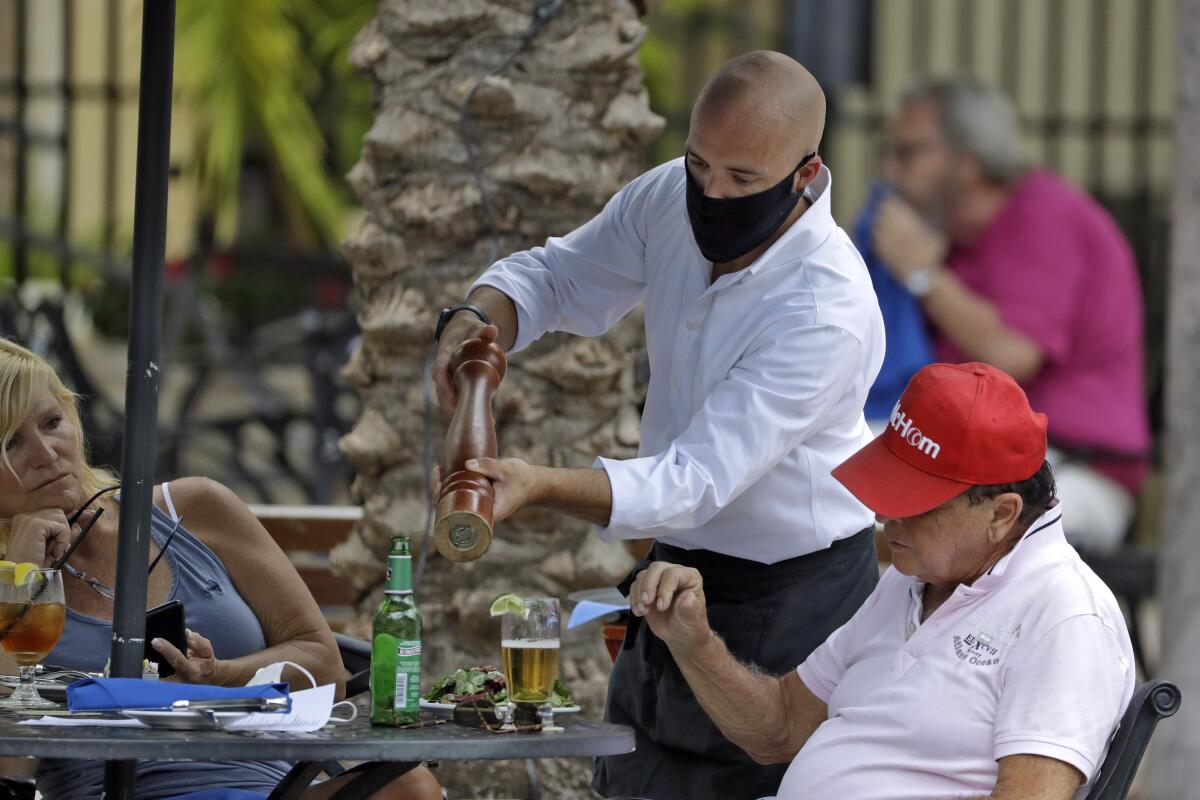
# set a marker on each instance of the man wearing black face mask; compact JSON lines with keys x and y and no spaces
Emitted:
{"x":764,"y":336}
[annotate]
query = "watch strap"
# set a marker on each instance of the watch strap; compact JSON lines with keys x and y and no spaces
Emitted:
{"x":447,"y":313}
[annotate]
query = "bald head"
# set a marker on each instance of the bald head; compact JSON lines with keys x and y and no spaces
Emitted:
{"x":769,"y":92}
{"x":754,"y":122}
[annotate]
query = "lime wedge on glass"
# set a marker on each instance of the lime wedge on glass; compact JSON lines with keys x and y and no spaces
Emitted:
{"x":22,"y":571}
{"x":509,"y":604}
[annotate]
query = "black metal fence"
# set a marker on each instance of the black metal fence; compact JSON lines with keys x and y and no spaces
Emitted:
{"x":272,"y":443}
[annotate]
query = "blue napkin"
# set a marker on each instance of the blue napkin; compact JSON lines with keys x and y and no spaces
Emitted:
{"x":587,"y":610}
{"x":113,"y":694}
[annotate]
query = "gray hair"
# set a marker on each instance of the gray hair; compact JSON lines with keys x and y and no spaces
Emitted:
{"x":976,"y":119}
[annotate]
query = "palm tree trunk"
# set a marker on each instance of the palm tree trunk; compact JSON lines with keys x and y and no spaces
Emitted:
{"x":555,"y":135}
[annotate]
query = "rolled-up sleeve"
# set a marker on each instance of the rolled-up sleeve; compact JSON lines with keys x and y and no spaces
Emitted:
{"x":583,"y":282}
{"x":775,"y":397}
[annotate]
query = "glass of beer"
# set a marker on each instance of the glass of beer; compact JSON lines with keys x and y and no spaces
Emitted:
{"x":529,"y":646}
{"x":32,"y":613}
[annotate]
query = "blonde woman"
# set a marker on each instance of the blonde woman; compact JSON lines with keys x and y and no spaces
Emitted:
{"x":246,"y":605}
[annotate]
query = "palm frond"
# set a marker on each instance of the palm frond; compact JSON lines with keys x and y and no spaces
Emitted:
{"x":245,"y":74}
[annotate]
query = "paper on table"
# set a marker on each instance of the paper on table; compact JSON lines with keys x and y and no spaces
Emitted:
{"x":83,"y":722}
{"x":310,"y":711}
{"x":588,"y":610}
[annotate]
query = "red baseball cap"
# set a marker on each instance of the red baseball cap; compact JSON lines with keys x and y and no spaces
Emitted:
{"x":956,"y":426}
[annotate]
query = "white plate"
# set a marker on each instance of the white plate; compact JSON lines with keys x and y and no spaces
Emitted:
{"x":448,"y":708}
{"x":184,"y":720}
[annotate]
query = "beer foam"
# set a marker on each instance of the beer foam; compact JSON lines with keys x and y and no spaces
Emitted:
{"x":530,"y":644}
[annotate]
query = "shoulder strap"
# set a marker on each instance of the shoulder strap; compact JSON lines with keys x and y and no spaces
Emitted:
{"x":170,"y":505}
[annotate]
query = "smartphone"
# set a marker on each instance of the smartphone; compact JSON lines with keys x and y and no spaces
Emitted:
{"x":165,"y":622}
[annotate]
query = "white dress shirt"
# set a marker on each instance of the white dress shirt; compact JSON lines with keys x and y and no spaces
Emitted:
{"x":1032,"y":658}
{"x":757,"y":380}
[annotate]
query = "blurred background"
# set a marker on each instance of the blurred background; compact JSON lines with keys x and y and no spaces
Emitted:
{"x":261,"y":309}
{"x":260,"y":303}
{"x":269,"y":115}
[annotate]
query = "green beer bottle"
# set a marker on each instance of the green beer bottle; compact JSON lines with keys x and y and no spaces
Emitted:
{"x":396,"y":644}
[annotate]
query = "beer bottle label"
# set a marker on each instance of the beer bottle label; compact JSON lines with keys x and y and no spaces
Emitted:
{"x":399,"y":575}
{"x":408,"y":676}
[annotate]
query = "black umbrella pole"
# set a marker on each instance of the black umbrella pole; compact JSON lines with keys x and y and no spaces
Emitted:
{"x":141,"y":380}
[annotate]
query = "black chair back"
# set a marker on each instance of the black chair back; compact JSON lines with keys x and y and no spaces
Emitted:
{"x":1153,"y":700}
{"x":356,"y":658}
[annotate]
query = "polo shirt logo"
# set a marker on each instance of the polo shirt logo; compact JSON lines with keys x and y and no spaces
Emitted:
{"x":911,"y":434}
{"x":977,"y":649}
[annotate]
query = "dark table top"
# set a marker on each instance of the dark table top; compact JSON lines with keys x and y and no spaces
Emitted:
{"x":356,"y":741}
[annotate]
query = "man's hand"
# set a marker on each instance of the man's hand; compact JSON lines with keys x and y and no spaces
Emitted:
{"x":200,"y":665}
{"x":671,"y":598}
{"x":42,"y":536}
{"x":903,"y":240}
{"x":462,"y":326}
{"x":516,"y":483}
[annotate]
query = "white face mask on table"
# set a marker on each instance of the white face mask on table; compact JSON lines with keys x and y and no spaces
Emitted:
{"x":316,"y":704}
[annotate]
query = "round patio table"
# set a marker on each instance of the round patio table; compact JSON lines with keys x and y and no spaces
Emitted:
{"x":356,"y":741}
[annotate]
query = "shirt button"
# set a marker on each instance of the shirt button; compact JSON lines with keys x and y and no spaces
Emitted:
{"x":691,"y":326}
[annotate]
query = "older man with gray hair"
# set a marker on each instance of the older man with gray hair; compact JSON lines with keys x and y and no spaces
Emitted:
{"x":988,"y":664}
{"x":1013,"y":267}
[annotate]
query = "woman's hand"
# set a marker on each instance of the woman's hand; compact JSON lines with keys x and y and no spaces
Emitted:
{"x":200,"y":665}
{"x":42,"y":536}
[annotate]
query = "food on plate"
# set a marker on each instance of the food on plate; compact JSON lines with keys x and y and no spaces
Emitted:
{"x":485,"y":682}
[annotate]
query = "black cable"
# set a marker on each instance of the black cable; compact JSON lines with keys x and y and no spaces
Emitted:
{"x":543,"y":12}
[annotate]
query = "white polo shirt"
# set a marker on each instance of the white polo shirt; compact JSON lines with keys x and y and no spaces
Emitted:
{"x":1033,"y":658}
{"x":757,"y":380}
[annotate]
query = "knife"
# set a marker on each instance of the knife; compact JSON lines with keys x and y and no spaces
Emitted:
{"x":262,"y":704}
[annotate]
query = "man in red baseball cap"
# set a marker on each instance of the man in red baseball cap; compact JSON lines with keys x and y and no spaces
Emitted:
{"x":989,"y":661}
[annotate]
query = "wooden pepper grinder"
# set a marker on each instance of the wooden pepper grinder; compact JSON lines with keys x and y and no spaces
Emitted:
{"x":463,"y":527}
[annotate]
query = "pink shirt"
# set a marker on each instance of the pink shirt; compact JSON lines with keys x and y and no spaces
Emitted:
{"x":1061,"y":273}
{"x":1032,"y":658}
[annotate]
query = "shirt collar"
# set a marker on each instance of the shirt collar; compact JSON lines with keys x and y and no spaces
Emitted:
{"x":807,"y":232}
{"x":1037,"y":546}
{"x":1029,"y":552}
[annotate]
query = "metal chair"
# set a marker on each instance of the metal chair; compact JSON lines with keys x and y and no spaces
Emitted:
{"x":1153,"y":700}
{"x":356,"y":658}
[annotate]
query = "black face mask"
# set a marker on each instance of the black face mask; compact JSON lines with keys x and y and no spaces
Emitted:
{"x":726,"y":228}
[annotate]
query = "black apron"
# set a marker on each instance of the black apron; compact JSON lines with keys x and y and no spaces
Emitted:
{"x":770,"y":615}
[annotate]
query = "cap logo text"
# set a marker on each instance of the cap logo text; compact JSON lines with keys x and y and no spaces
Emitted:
{"x":910,"y":433}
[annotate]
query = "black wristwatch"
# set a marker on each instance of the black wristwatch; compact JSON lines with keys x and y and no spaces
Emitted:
{"x":447,"y":313}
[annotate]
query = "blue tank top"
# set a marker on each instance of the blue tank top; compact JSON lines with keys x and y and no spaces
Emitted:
{"x":214,"y":609}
